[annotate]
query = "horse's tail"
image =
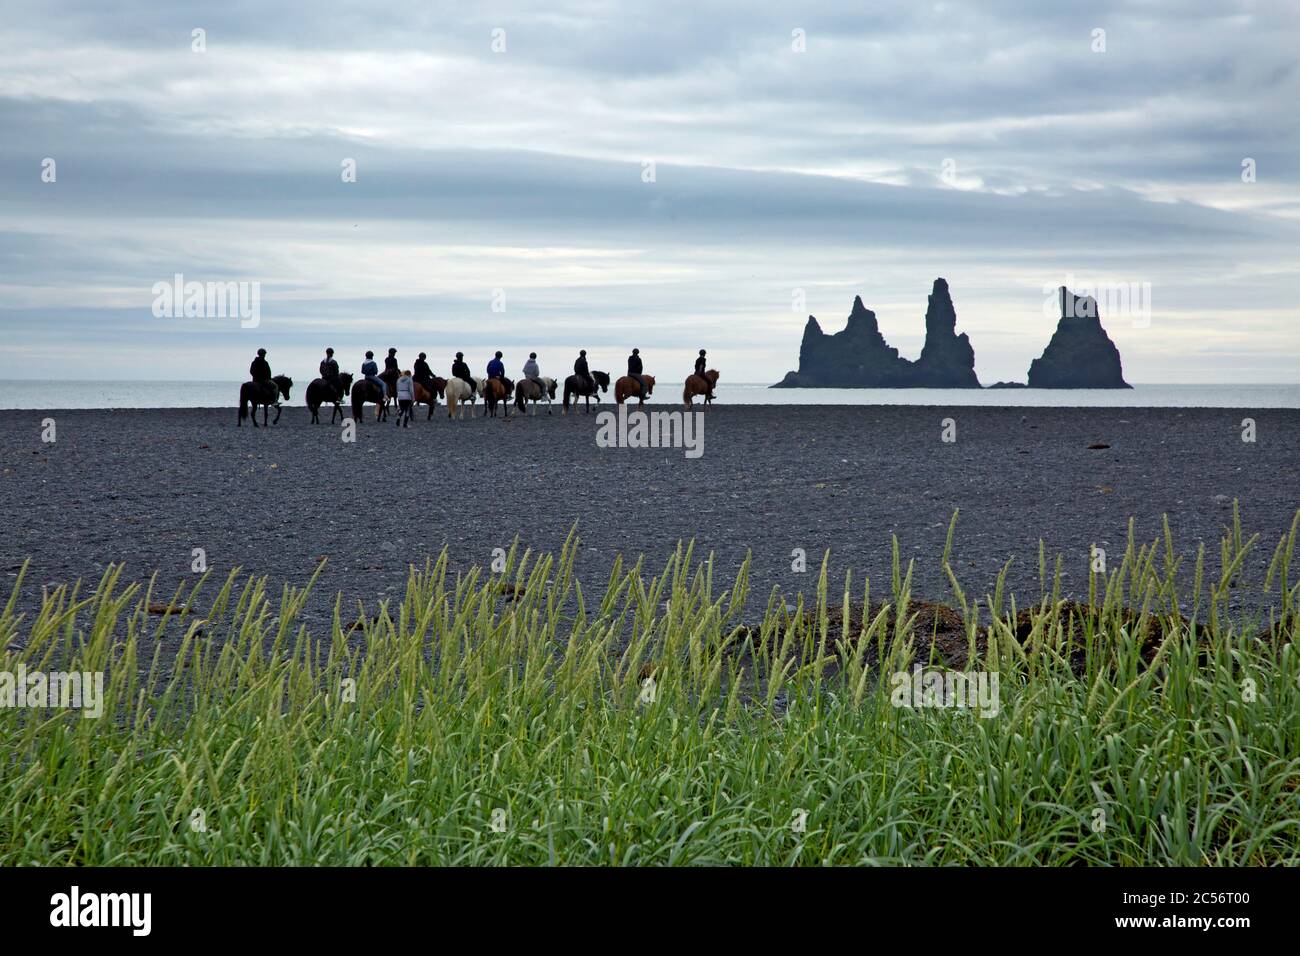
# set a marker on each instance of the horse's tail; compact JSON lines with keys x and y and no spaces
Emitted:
{"x":686,"y":393}
{"x":358,"y":404}
{"x":243,"y":403}
{"x":568,"y":390}
{"x":519,"y":400}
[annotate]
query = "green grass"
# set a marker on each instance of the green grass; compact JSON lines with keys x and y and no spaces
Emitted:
{"x":520,"y":693}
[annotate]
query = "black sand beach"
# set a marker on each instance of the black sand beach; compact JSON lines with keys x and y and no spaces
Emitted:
{"x":147,"y":487}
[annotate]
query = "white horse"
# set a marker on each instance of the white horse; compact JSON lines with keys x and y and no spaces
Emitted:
{"x":523,"y":390}
{"x":457,"y":392}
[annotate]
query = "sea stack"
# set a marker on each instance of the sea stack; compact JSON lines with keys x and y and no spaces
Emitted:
{"x":1080,"y":353}
{"x":859,"y":357}
{"x":947,"y":360}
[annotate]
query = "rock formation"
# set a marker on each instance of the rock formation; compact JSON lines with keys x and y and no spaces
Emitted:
{"x":1080,"y":354}
{"x":859,"y":357}
{"x":947,"y":359}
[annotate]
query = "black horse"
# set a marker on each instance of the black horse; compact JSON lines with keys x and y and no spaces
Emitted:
{"x":581,"y":388}
{"x":364,"y":390}
{"x":322,"y":390}
{"x":264,"y":394}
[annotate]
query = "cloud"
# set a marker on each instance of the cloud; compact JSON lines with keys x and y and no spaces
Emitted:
{"x":525,"y":171}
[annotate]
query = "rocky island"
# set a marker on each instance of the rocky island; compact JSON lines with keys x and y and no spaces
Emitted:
{"x":1079,"y":355}
{"x":859,"y":357}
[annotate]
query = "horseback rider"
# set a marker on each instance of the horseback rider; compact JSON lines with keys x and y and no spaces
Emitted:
{"x":634,"y":369}
{"x":390,"y":364}
{"x":260,"y":370}
{"x":422,"y":373}
{"x":532,"y":372}
{"x":329,"y":370}
{"x":700,"y":368}
{"x":370,"y":370}
{"x":496,"y":368}
{"x":461,"y":371}
{"x":580,"y":369}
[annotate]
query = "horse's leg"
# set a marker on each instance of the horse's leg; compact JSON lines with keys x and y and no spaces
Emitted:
{"x":278,"y":409}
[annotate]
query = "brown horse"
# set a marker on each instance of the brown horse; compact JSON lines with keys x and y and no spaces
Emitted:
{"x":700,"y":385}
{"x":364,"y":391}
{"x":425,"y":397}
{"x":627,"y":387}
{"x":321,"y":391}
{"x":497,"y":391}
{"x":264,"y":394}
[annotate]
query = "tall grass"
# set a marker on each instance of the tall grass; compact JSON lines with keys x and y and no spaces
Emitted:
{"x":515,"y":718}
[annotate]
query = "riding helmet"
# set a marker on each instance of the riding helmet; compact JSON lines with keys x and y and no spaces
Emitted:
{"x":498,"y":355}
{"x":261,"y":351}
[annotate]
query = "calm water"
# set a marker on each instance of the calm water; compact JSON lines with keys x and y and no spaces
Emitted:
{"x":45,"y":395}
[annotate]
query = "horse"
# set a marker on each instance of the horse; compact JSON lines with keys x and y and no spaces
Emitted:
{"x":457,"y":391}
{"x":529,"y":391}
{"x":423,"y":396}
{"x":498,"y":391}
{"x":696,"y":385}
{"x":265,"y":394}
{"x":580,"y":388}
{"x":364,"y":390}
{"x":321,"y":391}
{"x":627,"y":387}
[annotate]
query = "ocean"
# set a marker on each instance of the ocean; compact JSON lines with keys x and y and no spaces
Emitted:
{"x":43,"y":395}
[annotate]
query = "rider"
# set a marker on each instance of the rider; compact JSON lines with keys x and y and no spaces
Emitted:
{"x":580,"y":369}
{"x":461,"y":371}
{"x":390,"y":365}
{"x":329,"y":369}
{"x":634,"y":370}
{"x":260,"y":370}
{"x":370,"y":369}
{"x":532,"y":372}
{"x":422,"y":373}
{"x":496,"y":368}
{"x":700,"y":367}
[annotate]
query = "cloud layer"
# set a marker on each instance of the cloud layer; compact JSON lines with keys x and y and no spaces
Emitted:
{"x":801,"y":155}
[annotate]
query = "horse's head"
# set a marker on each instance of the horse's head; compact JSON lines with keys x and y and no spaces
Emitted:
{"x":712,"y":376}
{"x":602,"y":379}
{"x":649,"y":384}
{"x":283,"y":383}
{"x":345,"y":379}
{"x":509,"y":385}
{"x":550,"y":387}
{"x":439,"y":384}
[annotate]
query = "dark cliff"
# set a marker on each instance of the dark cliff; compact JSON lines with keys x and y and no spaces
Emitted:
{"x":1080,"y":353}
{"x":859,"y":357}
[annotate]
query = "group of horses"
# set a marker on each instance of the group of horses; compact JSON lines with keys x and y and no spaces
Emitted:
{"x":497,"y":393}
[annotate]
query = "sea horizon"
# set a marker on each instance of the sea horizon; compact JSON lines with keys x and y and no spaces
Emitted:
{"x":28,"y":395}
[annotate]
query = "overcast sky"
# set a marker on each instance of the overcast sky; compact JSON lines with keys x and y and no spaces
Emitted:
{"x":803,"y":153}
